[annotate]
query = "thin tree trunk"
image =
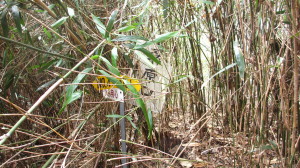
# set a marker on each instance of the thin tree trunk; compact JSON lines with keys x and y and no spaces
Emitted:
{"x":295,"y":28}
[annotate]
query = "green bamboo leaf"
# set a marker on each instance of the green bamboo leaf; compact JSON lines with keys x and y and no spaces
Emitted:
{"x":266,"y":147}
{"x":144,"y":59}
{"x":165,"y":8}
{"x":182,"y":77}
{"x":47,"y":33}
{"x":4,"y":23}
{"x":111,"y":68}
{"x":74,"y":96}
{"x":46,"y":85}
{"x":59,"y":22}
{"x":127,"y":117}
{"x":127,"y":28}
{"x":119,"y":116}
{"x":208,"y":2}
{"x":128,"y":60}
{"x":150,"y":125}
{"x":100,"y":26}
{"x":141,"y":104}
{"x":159,"y":39}
{"x":129,"y":38}
{"x":280,"y":12}
{"x":144,"y":3}
{"x":133,"y":125}
{"x":51,"y":6}
{"x":95,"y":57}
{"x":110,"y":24}
{"x":8,"y":79}
{"x":286,"y":20}
{"x":146,"y":44}
{"x":129,"y":45}
{"x":188,"y":24}
{"x":78,"y":79}
{"x":17,"y":17}
{"x":114,"y":56}
{"x":274,"y":144}
{"x":137,"y":24}
{"x":39,"y":11}
{"x":27,"y":37}
{"x":150,"y":55}
{"x":46,"y":65}
{"x":7,"y":57}
{"x":34,"y":67}
{"x":239,"y":59}
{"x":114,"y":116}
{"x":166,"y":36}
{"x":114,"y":80}
{"x":222,"y":70}
{"x":71,"y":95}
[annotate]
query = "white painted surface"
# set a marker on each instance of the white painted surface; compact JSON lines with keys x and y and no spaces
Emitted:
{"x":156,"y":80}
{"x":114,"y":94}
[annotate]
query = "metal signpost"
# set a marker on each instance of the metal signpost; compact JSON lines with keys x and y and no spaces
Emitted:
{"x":111,"y":91}
{"x":118,"y":95}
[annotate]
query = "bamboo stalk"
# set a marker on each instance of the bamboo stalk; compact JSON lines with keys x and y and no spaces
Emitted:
{"x":45,"y":95}
{"x":295,"y":28}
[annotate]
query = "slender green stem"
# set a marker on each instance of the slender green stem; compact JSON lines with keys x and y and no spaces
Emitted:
{"x":36,"y":49}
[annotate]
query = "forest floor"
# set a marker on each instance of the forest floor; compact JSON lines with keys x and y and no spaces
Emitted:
{"x":209,"y":147}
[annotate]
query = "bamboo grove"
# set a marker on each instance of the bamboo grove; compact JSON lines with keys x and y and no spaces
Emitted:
{"x":233,"y":84}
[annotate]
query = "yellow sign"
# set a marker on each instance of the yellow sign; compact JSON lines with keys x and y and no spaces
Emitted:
{"x":102,"y":83}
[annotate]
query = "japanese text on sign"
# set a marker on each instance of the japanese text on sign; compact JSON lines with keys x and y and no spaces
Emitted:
{"x":150,"y":74}
{"x":114,"y":94}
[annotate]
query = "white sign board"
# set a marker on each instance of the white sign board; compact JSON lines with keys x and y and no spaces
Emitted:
{"x":114,"y":94}
{"x":157,"y":80}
